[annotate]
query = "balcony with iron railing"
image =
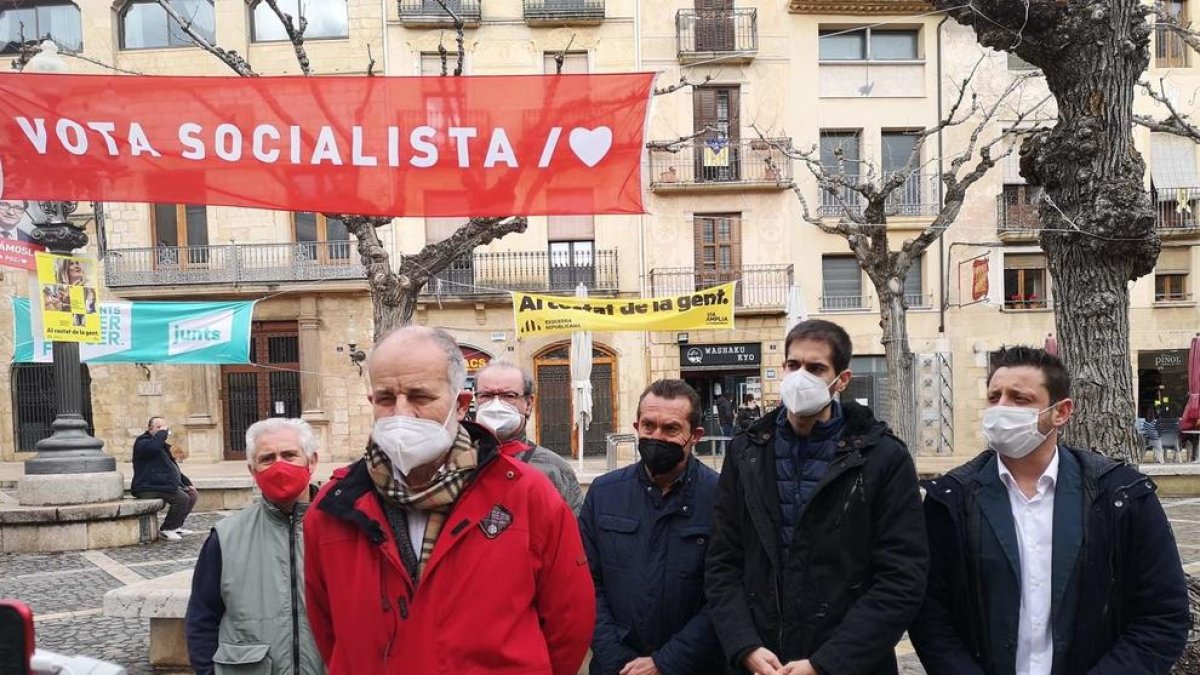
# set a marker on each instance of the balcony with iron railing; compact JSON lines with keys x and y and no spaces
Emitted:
{"x":731,"y":34}
{"x":232,"y":264}
{"x":431,"y":14}
{"x":916,"y":197}
{"x":918,"y":300}
{"x":845,"y":303}
{"x":764,"y":287}
{"x":1177,"y":212}
{"x":1017,"y":216}
{"x":705,"y":165}
{"x":564,"y":12}
{"x":489,"y":274}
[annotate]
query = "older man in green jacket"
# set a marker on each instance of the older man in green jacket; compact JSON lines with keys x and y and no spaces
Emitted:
{"x":247,"y":611}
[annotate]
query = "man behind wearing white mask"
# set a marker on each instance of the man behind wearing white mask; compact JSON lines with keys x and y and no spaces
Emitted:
{"x":818,"y":556}
{"x":1047,"y":559}
{"x":503,"y":398}
{"x":436,"y":553}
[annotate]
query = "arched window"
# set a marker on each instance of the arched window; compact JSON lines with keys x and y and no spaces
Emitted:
{"x":37,"y":21}
{"x":326,"y":19}
{"x":34,"y":400}
{"x":146,"y":25}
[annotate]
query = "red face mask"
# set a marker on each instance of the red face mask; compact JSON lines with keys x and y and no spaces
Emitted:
{"x":283,"y":482}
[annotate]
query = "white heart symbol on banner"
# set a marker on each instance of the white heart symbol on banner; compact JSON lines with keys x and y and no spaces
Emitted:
{"x":591,"y":145}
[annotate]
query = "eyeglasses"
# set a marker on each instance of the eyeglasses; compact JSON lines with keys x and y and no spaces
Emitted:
{"x":509,"y":397}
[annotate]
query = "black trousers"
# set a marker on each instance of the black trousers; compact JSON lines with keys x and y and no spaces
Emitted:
{"x":180,"y":505}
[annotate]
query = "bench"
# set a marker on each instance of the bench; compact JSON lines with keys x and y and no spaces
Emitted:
{"x":164,"y":602}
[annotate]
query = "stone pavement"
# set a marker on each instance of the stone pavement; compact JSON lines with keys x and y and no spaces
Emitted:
{"x":66,"y":590}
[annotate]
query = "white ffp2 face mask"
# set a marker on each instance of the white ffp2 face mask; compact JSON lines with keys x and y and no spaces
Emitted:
{"x":1013,"y":431}
{"x":804,"y":394}
{"x":412,"y":442}
{"x":501,"y":418}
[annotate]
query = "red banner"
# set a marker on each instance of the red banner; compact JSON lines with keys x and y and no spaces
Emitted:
{"x":979,"y":279}
{"x":393,"y":146}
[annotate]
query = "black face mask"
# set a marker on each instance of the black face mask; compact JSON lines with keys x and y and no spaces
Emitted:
{"x":660,"y":456}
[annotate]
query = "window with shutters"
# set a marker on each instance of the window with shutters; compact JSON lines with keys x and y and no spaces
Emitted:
{"x":1171,"y":275}
{"x":716,"y":116}
{"x":898,"y":148}
{"x":718,"y":248}
{"x":1170,"y":51}
{"x":841,"y":283}
{"x":914,"y":285}
{"x":180,"y":235}
{"x":840,"y":153}
{"x":1025,"y":281}
{"x":869,"y":44}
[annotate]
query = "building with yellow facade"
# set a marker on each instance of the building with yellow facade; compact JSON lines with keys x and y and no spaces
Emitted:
{"x":757,"y":77}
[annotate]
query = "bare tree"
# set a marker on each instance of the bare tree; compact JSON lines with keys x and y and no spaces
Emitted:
{"x":394,"y":292}
{"x":856,"y":207}
{"x":1098,"y":227}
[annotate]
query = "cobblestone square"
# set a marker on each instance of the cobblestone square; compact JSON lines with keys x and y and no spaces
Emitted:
{"x":66,"y":590}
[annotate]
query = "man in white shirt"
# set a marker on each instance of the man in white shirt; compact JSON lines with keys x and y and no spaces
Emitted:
{"x":1013,"y":588}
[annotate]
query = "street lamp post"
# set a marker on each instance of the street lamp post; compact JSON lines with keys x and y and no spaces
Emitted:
{"x":70,"y":450}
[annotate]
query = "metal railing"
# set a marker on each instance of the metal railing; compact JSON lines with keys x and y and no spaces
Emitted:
{"x":1177,"y":209}
{"x":493,"y":273}
{"x":845,"y":303}
{"x":918,"y":300}
{"x":1168,"y":298}
{"x":560,"y":11}
{"x":1014,"y":215}
{"x":917,"y":196}
{"x":1027,"y":302}
{"x":232,"y":264}
{"x":431,"y":13}
{"x":698,"y":162}
{"x":761,"y":286}
{"x":708,"y":31}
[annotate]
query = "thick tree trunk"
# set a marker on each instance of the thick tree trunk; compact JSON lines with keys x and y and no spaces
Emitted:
{"x":1099,"y":231}
{"x":893,"y":319}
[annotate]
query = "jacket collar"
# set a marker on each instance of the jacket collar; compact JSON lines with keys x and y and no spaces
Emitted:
{"x":860,"y":429}
{"x":354,"y":481}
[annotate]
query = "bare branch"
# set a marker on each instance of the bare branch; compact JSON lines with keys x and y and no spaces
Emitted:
{"x":102,"y":64}
{"x":459,"y":38}
{"x":561,"y":57}
{"x":295,"y":34}
{"x":28,"y":49}
{"x":1177,"y":122}
{"x":683,"y":83}
{"x":370,"y":62}
{"x":677,"y":144}
{"x":228,"y":57}
{"x":435,"y":257}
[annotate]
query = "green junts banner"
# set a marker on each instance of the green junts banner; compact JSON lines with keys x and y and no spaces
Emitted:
{"x":151,"y":332}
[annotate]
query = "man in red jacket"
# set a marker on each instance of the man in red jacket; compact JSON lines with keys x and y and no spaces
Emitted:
{"x":435,"y":553}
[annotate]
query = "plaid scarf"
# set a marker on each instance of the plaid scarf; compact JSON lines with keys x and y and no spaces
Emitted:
{"x":436,"y":497}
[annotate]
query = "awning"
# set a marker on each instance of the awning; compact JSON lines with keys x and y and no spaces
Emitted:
{"x":1172,"y":164}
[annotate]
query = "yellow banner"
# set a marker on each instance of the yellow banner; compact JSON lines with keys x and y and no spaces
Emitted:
{"x":67,"y":292}
{"x":698,"y":310}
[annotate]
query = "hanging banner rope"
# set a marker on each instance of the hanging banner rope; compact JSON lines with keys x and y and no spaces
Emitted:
{"x":389,"y":146}
{"x":710,"y":308}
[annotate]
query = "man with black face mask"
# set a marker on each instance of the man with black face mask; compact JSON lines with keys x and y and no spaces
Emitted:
{"x":646,"y":529}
